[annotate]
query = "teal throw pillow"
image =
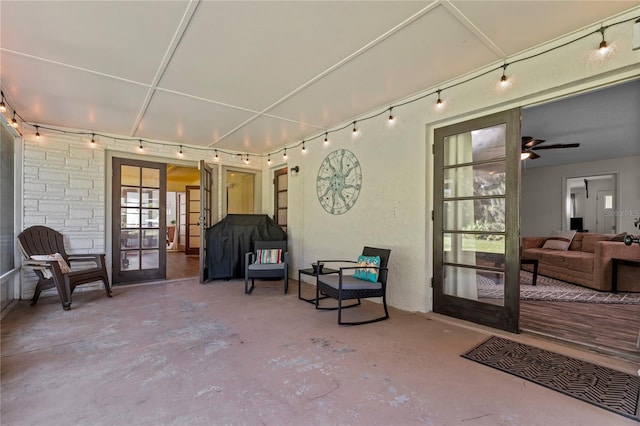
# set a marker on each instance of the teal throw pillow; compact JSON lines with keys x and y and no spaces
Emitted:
{"x":367,"y":268}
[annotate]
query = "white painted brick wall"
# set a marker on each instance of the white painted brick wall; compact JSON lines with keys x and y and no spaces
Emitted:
{"x":60,"y":179}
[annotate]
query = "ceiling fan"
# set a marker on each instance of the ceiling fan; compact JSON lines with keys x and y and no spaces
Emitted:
{"x":530,"y":144}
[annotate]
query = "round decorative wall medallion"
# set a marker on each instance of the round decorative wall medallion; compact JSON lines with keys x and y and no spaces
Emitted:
{"x":339,"y":181}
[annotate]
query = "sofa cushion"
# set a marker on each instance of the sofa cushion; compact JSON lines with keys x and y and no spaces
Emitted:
{"x":589,"y":241}
{"x":576,"y":243}
{"x":618,"y":238}
{"x":572,"y":260}
{"x":559,"y":240}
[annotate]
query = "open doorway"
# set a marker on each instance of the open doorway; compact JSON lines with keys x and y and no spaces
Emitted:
{"x":589,"y":187}
{"x":182,"y":247}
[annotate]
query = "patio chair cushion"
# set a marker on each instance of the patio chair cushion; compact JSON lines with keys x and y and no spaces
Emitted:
{"x":350,"y":282}
{"x":266,"y":266}
{"x":64,"y":266}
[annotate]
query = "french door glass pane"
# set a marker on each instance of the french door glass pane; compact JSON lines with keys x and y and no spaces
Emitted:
{"x":130,"y":260}
{"x":150,"y":197}
{"x":475,"y":180}
{"x":474,"y":284}
{"x":150,"y":218}
{"x":474,"y":249}
{"x":484,"y":214}
{"x":478,"y":145}
{"x":130,"y":239}
{"x":129,"y":175}
{"x":129,"y":197}
{"x":129,"y":218}
{"x":150,"y":178}
{"x":150,"y":259}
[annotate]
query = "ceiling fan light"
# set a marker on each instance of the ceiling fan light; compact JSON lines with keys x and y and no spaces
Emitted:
{"x":524,"y":155}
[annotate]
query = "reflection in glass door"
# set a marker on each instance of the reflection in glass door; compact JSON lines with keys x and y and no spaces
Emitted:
{"x":139,"y":228}
{"x":193,"y":220}
{"x":476,"y":259}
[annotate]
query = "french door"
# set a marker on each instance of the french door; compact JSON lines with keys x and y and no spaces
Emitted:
{"x":280,"y":203}
{"x":139,"y":220}
{"x":206,"y":213}
{"x":476,"y":220}
{"x":193,"y":205}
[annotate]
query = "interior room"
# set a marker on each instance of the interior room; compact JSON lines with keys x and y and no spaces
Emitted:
{"x":395,"y":125}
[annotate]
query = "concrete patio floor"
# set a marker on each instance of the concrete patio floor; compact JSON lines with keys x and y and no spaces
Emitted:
{"x":181,"y":353}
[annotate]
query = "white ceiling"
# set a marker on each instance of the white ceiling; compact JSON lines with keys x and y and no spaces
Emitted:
{"x":254,"y":76}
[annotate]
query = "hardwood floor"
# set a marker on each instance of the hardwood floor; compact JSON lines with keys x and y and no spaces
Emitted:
{"x":609,"y":328}
{"x":180,"y":265}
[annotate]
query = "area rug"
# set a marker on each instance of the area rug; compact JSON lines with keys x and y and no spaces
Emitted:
{"x":601,"y":386}
{"x":550,"y":289}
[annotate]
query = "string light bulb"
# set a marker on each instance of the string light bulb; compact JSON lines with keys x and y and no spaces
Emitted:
{"x":503,"y":79}
{"x":285,"y":153}
{"x":355,"y":130}
{"x":603,"y":44}
{"x":14,"y":122}
{"x":37,"y":132}
{"x":304,"y":150}
{"x":439,"y":101}
{"x":140,"y":147}
{"x":180,"y":153}
{"x":269,"y":159}
{"x":216,"y":158}
{"x":93,"y":138}
{"x":391,"y":117}
{"x":3,"y":107}
{"x":326,"y":138}
{"x":247,"y":160}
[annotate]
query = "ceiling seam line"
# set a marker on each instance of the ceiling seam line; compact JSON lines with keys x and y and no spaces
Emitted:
{"x":171,"y":50}
{"x":460,"y":17}
{"x":338,"y":65}
{"x":200,"y":98}
{"x":75,"y":67}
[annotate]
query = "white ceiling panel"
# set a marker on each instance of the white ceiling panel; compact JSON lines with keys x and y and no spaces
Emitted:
{"x":127,"y":39}
{"x":405,"y":63}
{"x":251,"y":54}
{"x":265,"y":134}
{"x":515,"y":26}
{"x":179,"y":119}
{"x":50,"y":94}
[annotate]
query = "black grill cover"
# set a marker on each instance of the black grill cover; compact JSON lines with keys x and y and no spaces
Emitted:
{"x":232,"y":237}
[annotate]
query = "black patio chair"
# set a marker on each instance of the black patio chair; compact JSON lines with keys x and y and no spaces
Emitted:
{"x":343,"y":286}
{"x":268,"y":260}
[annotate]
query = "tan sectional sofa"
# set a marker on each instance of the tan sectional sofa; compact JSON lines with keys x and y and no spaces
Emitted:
{"x":587,"y":262}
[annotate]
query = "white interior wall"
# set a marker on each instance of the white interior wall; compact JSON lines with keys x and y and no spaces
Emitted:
{"x":542,"y":194}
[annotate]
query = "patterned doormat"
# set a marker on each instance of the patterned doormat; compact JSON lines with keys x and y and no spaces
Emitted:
{"x":601,"y":386}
